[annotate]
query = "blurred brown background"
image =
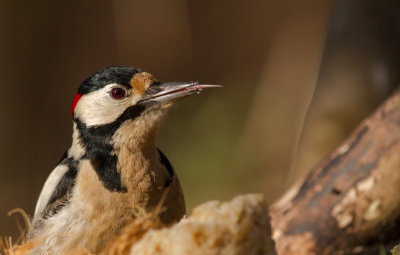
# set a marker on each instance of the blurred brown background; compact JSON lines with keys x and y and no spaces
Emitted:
{"x":298,"y":76}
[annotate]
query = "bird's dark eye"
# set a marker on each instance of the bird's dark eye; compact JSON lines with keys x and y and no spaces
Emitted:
{"x":118,"y":93}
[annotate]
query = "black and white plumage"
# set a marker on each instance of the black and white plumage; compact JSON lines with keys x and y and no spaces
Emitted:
{"x":113,"y":169}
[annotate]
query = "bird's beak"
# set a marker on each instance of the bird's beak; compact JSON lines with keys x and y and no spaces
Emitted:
{"x":166,"y":92}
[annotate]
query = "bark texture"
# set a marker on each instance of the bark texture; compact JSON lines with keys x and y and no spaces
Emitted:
{"x":350,"y":202}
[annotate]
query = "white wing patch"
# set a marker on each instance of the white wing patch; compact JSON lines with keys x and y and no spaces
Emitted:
{"x":48,"y":188}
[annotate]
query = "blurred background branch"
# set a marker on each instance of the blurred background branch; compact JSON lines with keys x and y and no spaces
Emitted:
{"x":298,"y":76}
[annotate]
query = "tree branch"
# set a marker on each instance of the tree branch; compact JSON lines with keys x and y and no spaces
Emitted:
{"x":350,"y":202}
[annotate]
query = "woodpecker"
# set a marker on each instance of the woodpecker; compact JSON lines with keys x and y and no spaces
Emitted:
{"x":113,"y":168}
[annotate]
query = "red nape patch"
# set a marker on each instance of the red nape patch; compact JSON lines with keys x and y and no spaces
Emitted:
{"x":76,"y":99}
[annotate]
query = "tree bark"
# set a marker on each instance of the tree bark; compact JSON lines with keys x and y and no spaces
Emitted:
{"x":350,"y":202}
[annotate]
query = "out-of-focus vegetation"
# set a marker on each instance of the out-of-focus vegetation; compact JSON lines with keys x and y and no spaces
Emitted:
{"x":298,"y":76}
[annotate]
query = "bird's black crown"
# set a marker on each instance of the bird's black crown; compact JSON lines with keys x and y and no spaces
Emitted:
{"x":113,"y":74}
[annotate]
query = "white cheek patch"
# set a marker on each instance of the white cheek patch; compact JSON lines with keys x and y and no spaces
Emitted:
{"x":98,"y":108}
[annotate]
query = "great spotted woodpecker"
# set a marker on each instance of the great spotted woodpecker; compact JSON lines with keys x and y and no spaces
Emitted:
{"x":113,"y":167}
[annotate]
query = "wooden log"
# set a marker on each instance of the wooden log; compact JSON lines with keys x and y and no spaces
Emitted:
{"x":350,"y":202}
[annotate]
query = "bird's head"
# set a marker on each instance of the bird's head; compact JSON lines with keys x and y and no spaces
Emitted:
{"x":125,"y":92}
{"x":117,"y":94}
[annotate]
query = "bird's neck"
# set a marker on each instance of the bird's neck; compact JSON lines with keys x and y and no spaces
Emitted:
{"x":120,"y":155}
{"x":138,"y":158}
{"x":137,"y":136}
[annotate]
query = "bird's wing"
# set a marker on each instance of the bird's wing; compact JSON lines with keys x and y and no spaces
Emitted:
{"x":164,"y":160}
{"x":166,"y":163}
{"x":57,"y":186}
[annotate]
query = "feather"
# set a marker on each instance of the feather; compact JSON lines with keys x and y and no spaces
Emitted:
{"x":56,"y":188}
